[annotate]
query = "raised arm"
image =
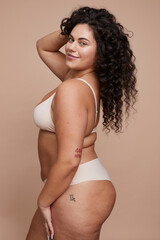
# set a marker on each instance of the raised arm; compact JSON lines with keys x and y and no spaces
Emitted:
{"x":48,"y":50}
{"x":70,"y":125}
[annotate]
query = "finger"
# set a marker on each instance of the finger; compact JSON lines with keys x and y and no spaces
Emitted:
{"x":51,"y":229}
{"x":47,"y":229}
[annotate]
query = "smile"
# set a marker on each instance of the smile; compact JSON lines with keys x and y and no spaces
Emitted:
{"x":71,"y":57}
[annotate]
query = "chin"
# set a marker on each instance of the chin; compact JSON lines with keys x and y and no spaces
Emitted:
{"x":77,"y":67}
{"x":74,"y":67}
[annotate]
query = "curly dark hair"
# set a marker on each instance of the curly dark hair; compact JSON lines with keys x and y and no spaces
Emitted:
{"x":114,"y":66}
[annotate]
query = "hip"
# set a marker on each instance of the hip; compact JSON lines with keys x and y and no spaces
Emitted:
{"x":90,"y":171}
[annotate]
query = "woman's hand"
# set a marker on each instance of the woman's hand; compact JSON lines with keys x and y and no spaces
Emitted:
{"x":47,"y":219}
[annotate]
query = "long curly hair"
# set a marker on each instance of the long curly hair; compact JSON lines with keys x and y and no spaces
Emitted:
{"x":114,"y":66}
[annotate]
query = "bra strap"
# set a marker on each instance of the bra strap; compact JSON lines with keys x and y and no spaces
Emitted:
{"x":93,"y":94}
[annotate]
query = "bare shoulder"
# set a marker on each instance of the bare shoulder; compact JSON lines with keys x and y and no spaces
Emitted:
{"x":70,"y":82}
{"x":70,"y":88}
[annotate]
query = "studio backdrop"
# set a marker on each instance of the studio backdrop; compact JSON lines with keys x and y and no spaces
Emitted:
{"x":131,"y":158}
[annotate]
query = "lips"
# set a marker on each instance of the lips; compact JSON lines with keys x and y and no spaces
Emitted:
{"x":71,"y":57}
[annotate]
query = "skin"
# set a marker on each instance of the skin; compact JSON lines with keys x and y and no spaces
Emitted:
{"x":71,"y":211}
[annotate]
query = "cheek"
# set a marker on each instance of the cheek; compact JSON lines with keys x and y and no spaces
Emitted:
{"x":89,"y":54}
{"x":66,"y":47}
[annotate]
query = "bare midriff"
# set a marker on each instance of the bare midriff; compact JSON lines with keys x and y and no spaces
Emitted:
{"x":47,"y":150}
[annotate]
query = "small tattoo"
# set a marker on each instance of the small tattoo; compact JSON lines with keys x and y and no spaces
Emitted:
{"x":78,"y":152}
{"x":72,"y":198}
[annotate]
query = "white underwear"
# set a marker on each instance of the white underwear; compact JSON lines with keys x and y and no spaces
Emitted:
{"x":89,"y":171}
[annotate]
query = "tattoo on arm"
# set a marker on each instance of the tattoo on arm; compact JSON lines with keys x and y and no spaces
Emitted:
{"x":78,"y":152}
{"x":72,"y":198}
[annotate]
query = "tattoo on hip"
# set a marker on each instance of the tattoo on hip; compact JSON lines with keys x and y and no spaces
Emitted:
{"x":72,"y":198}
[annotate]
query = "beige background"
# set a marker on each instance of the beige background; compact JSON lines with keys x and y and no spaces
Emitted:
{"x":131,"y":158}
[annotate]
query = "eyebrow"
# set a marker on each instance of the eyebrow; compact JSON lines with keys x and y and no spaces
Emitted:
{"x":82,"y":38}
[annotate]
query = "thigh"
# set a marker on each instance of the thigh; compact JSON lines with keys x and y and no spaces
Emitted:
{"x":81,"y":210}
{"x":36,"y":230}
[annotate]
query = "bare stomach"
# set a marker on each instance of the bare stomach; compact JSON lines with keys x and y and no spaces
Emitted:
{"x":47,"y":150}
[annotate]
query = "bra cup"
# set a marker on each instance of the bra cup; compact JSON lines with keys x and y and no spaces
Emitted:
{"x":43,"y":114}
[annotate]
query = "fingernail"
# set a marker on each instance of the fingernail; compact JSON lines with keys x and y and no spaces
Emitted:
{"x":51,"y":236}
{"x":47,"y":237}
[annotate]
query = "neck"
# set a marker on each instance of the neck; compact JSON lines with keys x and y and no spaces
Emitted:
{"x":78,"y":74}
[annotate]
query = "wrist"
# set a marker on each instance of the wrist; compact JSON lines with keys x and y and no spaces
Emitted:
{"x":40,"y":203}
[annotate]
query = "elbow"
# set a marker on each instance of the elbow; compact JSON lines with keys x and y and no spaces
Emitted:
{"x":38,"y":44}
{"x":75,"y":164}
{"x":72,"y":164}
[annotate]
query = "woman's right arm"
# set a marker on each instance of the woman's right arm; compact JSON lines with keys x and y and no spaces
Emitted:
{"x":48,"y":50}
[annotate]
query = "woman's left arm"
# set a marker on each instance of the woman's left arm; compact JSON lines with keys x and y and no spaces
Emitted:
{"x":70,"y":120}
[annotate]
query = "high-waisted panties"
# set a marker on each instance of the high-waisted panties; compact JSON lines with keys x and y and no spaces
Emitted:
{"x":89,"y":171}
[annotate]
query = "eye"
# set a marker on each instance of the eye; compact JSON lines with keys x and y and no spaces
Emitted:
{"x":70,"y":40}
{"x":83,"y":43}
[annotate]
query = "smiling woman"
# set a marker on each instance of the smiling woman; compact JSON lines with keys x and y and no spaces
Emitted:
{"x":83,"y":49}
{"x":78,"y":195}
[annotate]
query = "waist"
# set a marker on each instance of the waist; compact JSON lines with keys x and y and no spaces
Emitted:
{"x":89,"y":171}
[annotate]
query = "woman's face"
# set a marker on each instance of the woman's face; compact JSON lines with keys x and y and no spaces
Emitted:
{"x":81,"y":48}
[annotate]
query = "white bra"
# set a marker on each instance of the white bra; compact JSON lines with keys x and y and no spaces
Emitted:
{"x":42,"y":112}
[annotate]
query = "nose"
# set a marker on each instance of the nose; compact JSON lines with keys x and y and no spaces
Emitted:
{"x":73,"y":46}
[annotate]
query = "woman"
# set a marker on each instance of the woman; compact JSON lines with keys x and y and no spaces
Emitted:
{"x":78,"y":195}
